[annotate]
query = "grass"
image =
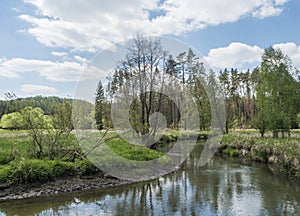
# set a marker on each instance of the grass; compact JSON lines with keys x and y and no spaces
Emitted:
{"x":18,"y":166}
{"x":132,"y":152}
{"x":33,"y":170}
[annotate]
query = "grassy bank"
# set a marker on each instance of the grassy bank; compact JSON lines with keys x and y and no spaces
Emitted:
{"x":284,"y":152}
{"x":39,"y":171}
{"x":18,"y":165}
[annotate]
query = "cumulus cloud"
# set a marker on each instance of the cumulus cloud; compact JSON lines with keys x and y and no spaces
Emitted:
{"x":37,"y":89}
{"x":235,"y":55}
{"x":93,"y":25}
{"x":243,"y":56}
{"x":292,"y":50}
{"x":53,"y":71}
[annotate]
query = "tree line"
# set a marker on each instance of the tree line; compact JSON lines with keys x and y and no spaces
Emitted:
{"x":266,"y":98}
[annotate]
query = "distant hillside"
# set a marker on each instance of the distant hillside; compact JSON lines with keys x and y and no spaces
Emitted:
{"x":47,"y":104}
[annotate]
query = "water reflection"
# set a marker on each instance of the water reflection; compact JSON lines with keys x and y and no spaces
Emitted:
{"x":222,"y":187}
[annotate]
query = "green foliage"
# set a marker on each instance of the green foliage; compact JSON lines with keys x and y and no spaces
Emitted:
{"x":36,"y":123}
{"x":261,"y":122}
{"x":5,"y":174}
{"x":12,"y":121}
{"x":85,"y":167}
{"x":5,"y":157}
{"x":298,"y":119}
{"x":284,"y":151}
{"x":260,"y":155}
{"x":57,"y":138}
{"x":34,"y":118}
{"x":47,"y":104}
{"x":33,"y":170}
{"x":276,"y":93}
{"x":83,"y":115}
{"x":231,"y":151}
{"x":99,"y":106}
{"x":62,"y":119}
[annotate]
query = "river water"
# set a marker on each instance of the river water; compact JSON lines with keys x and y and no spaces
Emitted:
{"x":224,"y":186}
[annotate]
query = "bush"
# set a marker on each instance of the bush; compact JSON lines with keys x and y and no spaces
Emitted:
{"x":5,"y":158}
{"x":29,"y":170}
{"x":61,"y":168}
{"x":85,"y":167}
{"x":32,"y":170}
{"x":5,"y":174}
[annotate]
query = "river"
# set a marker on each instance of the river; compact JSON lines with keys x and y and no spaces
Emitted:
{"x":224,"y":186}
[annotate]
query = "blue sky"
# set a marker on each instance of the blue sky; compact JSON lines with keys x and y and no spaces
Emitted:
{"x":46,"y":45}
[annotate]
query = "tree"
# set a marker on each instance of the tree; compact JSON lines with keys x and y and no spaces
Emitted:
{"x":99,"y":106}
{"x":261,"y":122}
{"x":12,"y":121}
{"x":181,"y":65}
{"x":224,"y":79}
{"x":141,"y":78}
{"x":276,"y":92}
{"x":171,"y":67}
{"x":60,"y":131}
{"x":36,"y":123}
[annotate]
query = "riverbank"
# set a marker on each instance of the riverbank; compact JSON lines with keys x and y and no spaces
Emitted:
{"x":23,"y":177}
{"x":281,"y":152}
{"x":69,"y":177}
{"x":59,"y":186}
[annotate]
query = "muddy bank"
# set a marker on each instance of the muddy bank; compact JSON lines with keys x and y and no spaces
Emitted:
{"x":59,"y":186}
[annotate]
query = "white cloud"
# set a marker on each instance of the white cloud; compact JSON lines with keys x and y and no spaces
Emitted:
{"x":59,"y":54}
{"x":80,"y":59}
{"x":16,"y":10}
{"x":292,"y":50}
{"x":241,"y":56}
{"x":37,"y":89}
{"x":236,"y":55}
{"x":93,"y":25}
{"x":267,"y":11}
{"x":280,"y":2}
{"x":53,"y":71}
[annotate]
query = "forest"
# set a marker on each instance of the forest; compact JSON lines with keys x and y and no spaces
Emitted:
{"x":266,"y":98}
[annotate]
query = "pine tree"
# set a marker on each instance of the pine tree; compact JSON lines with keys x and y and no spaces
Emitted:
{"x":99,"y":105}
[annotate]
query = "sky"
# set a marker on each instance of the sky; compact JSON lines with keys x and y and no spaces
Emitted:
{"x":46,"y":46}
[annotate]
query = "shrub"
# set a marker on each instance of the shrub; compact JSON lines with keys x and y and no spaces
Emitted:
{"x":85,"y":167}
{"x":5,"y":174}
{"x":5,"y":158}
{"x":33,"y":170}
